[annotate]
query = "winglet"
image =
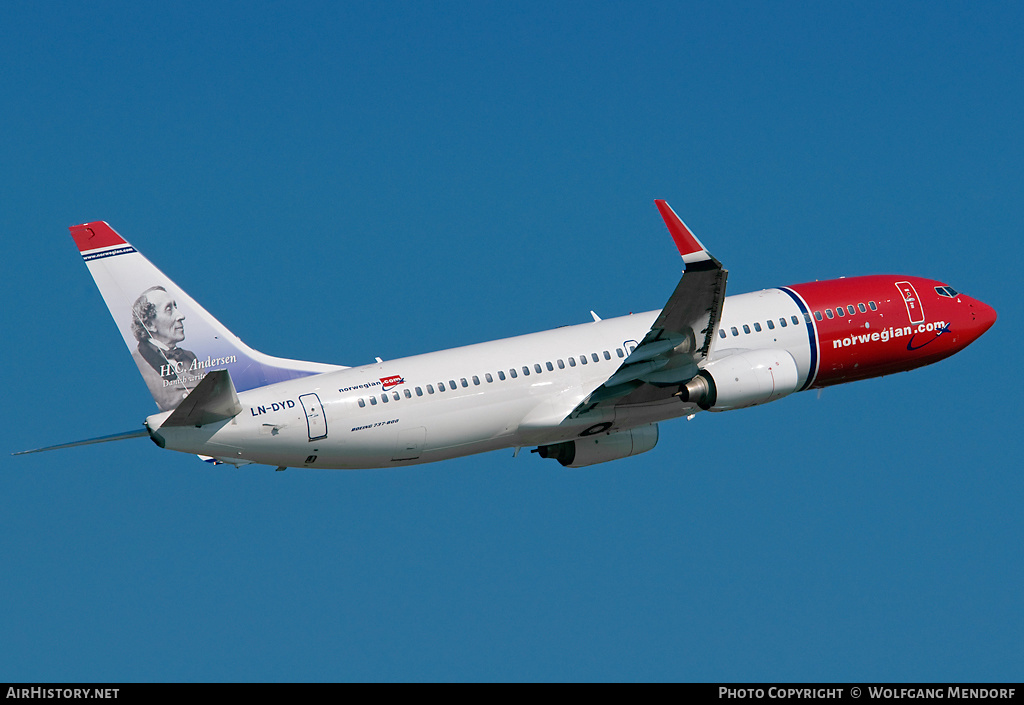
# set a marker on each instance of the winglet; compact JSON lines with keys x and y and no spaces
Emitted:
{"x":689,"y":246}
{"x":213,"y":399}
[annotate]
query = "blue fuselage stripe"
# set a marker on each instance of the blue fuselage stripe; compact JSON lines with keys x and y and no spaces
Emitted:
{"x":812,"y":338}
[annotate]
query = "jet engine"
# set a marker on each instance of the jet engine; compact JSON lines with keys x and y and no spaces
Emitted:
{"x":590,"y":450}
{"x":741,"y":380}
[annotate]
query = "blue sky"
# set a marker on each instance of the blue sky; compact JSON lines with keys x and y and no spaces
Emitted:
{"x":340,"y":181}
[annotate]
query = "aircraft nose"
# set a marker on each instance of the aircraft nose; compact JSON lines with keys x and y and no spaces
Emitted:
{"x":982,"y":315}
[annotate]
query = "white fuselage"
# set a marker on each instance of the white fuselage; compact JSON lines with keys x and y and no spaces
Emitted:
{"x":583,"y":394}
{"x":465,"y":400}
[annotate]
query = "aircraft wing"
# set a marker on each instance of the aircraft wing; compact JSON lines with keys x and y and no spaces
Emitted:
{"x":678,"y":340}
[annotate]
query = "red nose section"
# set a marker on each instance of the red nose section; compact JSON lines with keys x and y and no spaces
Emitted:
{"x":983,"y":316}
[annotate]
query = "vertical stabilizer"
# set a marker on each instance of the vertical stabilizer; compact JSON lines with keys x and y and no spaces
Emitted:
{"x":173,"y":340}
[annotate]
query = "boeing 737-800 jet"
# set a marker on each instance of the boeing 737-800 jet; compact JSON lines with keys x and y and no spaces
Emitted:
{"x":581,"y":394}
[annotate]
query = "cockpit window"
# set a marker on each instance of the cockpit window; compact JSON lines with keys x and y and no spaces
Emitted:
{"x":946,"y":291}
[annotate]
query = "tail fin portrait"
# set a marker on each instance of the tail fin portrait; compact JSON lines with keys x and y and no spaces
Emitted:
{"x":174,"y":341}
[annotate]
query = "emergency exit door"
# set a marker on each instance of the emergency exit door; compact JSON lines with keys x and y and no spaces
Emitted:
{"x":316,"y":421}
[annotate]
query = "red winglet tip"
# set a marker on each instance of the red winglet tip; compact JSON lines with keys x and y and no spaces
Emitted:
{"x":685,"y":241}
{"x":92,"y":236}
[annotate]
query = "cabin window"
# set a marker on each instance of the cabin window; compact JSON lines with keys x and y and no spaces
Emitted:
{"x":817,"y":314}
{"x":362,"y":404}
{"x":551,"y":368}
{"x":863,"y":308}
{"x":501,"y":375}
{"x":572,"y":362}
{"x":537,"y":368}
{"x":476,"y":380}
{"x":440,"y":386}
{"x":757,"y":327}
{"x":394,"y":395}
{"x":408,"y":394}
{"x":464,"y":382}
{"x":771,"y":324}
{"x":373,"y":401}
{"x":384,"y":398}
{"x":513,"y":373}
{"x":796,"y":321}
{"x":526,"y":371}
{"x":807,"y":317}
{"x":828,"y":312}
{"x":851,"y":309}
{"x":451,"y":383}
{"x":618,"y":351}
{"x":871,"y":305}
{"x":746,"y":329}
{"x":840,"y":312}
{"x":721,"y":333}
{"x":594,"y":357}
{"x":583,"y":359}
{"x":430,"y":389}
{"x":734,"y":331}
{"x":419,"y":391}
{"x":488,"y":377}
{"x":607,"y":355}
{"x":561,"y":365}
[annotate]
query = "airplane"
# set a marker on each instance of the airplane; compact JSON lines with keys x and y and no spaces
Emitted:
{"x":581,"y":394}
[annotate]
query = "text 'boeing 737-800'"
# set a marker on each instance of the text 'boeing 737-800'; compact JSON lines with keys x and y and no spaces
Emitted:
{"x":581,"y":394}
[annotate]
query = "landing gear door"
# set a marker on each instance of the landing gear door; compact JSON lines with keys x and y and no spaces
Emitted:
{"x":316,"y":421}
{"x":914,"y":309}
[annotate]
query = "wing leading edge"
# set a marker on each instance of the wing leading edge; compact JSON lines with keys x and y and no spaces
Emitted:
{"x":679,"y":339}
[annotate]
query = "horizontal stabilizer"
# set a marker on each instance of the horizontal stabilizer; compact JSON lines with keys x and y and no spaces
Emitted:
{"x":141,"y":433}
{"x":213,"y":399}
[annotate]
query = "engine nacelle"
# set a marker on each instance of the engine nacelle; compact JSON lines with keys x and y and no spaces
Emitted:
{"x":741,"y":380}
{"x":591,"y":450}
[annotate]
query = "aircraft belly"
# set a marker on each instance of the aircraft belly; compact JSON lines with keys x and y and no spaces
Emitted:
{"x":462,"y":425}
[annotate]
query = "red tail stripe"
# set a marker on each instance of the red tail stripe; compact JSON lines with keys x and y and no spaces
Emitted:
{"x":92,"y":236}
